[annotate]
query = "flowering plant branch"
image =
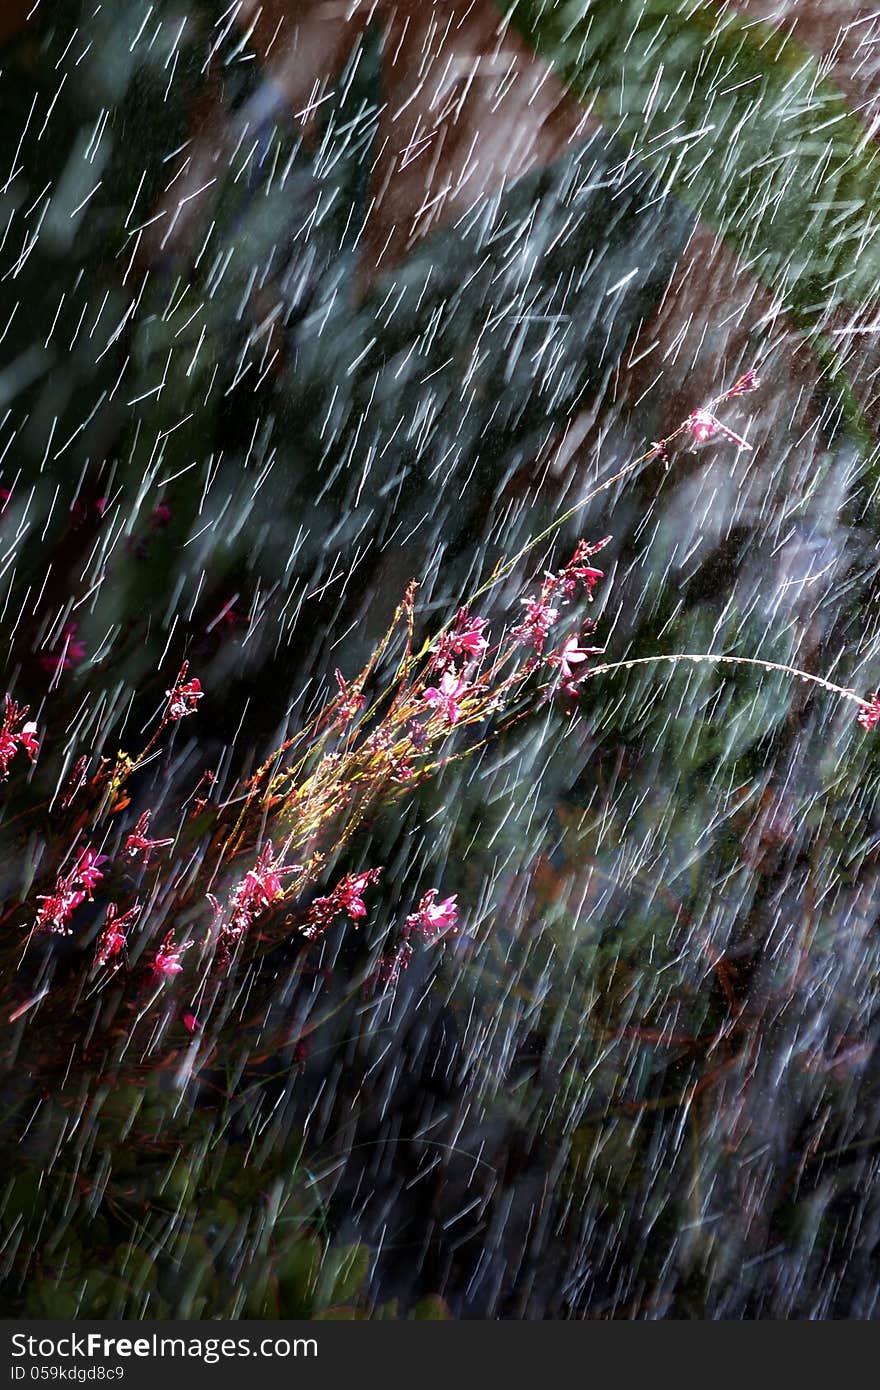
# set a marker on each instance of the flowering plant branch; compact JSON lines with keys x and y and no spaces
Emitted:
{"x":365,"y":748}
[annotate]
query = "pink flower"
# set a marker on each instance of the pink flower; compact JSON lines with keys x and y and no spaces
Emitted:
{"x":350,"y":895}
{"x":570,"y":656}
{"x":15,"y":734}
{"x":137,"y":842}
{"x":432,"y":918}
{"x":28,"y":739}
{"x":703,"y":425}
{"x":747,"y":382}
{"x":72,"y":652}
{"x":183,"y":699}
{"x":259,"y":888}
{"x":8,"y":749}
{"x":86,"y":873}
{"x":55,"y":914}
{"x":578,"y":572}
{"x":346,"y":897}
{"x":540,"y":617}
{"x":351,"y":701}
{"x":111,"y":942}
{"x":465,"y":639}
{"x":70,"y":890}
{"x":469,"y":637}
{"x":167,"y":959}
{"x":445,"y":697}
{"x":869,"y":714}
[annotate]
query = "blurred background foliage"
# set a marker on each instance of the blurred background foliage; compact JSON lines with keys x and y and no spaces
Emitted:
{"x":249,"y":388}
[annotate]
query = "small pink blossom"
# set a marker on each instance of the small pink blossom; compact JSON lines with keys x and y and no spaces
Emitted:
{"x":749,"y":381}
{"x":260,"y":887}
{"x":69,"y":892}
{"x":703,"y":426}
{"x":111,"y":942}
{"x":469,"y":636}
{"x":350,"y":895}
{"x":72,"y":652}
{"x":167,"y":960}
{"x":351,"y":701}
{"x":465,"y":638}
{"x":86,"y":873}
{"x":570,"y":656}
{"x":15,"y":734}
{"x":28,"y":739}
{"x":346,"y":897}
{"x":869,"y":714}
{"x":58,"y":907}
{"x":137,"y":845}
{"x":445,"y":697}
{"x":183,"y":699}
{"x":8,"y":750}
{"x":539,"y":619}
{"x":577,"y":571}
{"x":432,"y":918}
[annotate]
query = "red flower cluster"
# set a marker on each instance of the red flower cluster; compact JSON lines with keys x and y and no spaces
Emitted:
{"x":539,"y":619}
{"x":183,"y":699}
{"x":703,"y":425}
{"x":138,"y":844}
{"x":351,"y":701}
{"x":346,"y":897}
{"x":578,"y":572}
{"x":869,"y":714}
{"x":445,"y":697}
{"x":72,"y":652}
{"x":568,"y":658}
{"x":558,"y":589}
{"x":747,"y":382}
{"x":464,"y":639}
{"x":260,"y":887}
{"x":70,"y":890}
{"x":430,"y":920}
{"x":167,"y":959}
{"x":15,"y":734}
{"x":111,"y":942}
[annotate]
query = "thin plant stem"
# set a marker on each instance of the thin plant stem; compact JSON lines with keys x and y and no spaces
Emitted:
{"x":721,"y":659}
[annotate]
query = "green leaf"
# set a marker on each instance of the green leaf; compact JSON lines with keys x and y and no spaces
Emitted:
{"x":135,"y":1266}
{"x":297,"y":1270}
{"x":431,"y":1309}
{"x":343,"y":1273}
